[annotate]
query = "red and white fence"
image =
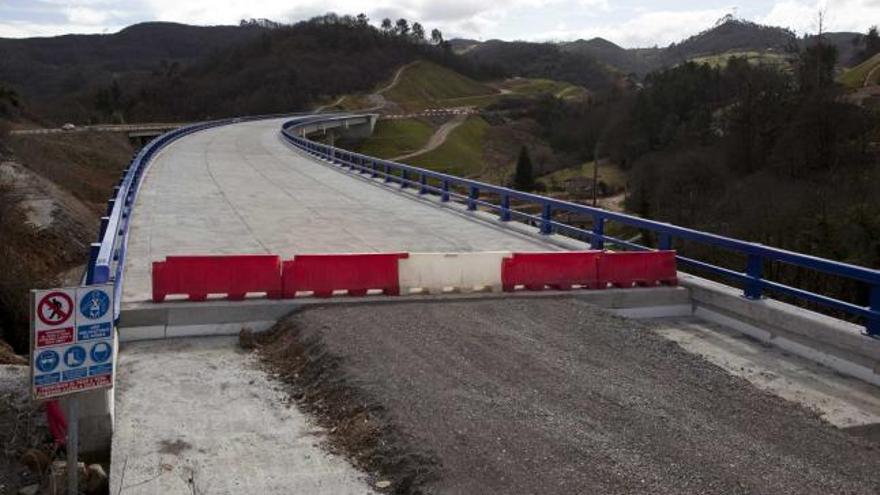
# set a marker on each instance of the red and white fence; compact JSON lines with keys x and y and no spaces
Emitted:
{"x":360,"y":274}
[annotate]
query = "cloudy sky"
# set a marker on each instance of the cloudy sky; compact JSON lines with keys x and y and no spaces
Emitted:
{"x":631,"y":23}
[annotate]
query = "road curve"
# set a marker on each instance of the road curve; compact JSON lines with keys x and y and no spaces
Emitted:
{"x":241,"y":189}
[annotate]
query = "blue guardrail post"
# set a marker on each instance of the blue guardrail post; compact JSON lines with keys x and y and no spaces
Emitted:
{"x":598,"y":241}
{"x":873,"y":325}
{"x":505,"y":207}
{"x":546,"y":219}
{"x":754,"y":267}
{"x":94,"y":249}
{"x":474,"y":194}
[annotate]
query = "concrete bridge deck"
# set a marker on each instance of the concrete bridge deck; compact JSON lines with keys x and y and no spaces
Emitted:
{"x":241,"y":189}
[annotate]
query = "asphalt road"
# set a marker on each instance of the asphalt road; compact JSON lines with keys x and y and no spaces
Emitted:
{"x":550,"y":396}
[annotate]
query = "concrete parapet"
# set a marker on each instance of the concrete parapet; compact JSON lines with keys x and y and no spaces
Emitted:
{"x":834,"y":343}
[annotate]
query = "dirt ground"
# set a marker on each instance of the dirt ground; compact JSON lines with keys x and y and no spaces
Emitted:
{"x":53,"y":190}
{"x":22,"y":426}
{"x":548,"y":396}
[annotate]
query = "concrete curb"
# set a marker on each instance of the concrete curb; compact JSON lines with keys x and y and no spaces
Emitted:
{"x":149,"y":321}
{"x":838,"y":344}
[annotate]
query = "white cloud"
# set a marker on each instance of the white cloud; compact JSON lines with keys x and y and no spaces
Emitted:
{"x":643,"y":24}
{"x":645,"y":29}
{"x":18,"y":29}
{"x":466,"y":16}
{"x":88,"y":16}
{"x":802,"y":16}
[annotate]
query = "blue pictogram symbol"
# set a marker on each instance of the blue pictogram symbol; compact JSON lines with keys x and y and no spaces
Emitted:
{"x":94,"y":305}
{"x":74,"y":356}
{"x":47,"y":361}
{"x":101,"y":352}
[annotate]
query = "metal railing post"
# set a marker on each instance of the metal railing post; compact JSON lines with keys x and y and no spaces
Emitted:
{"x":94,"y":249}
{"x":444,"y":197}
{"x":473,"y":195}
{"x":505,"y":208}
{"x":546,"y":219}
{"x":387,"y":173}
{"x":873,"y":326}
{"x":375,"y":168}
{"x":102,"y":228}
{"x":598,"y":240}
{"x":423,"y":183}
{"x":754,"y":268}
{"x":664,"y":243}
{"x":404,"y":178}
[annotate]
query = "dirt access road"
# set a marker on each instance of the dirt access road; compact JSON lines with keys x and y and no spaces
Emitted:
{"x":438,"y":138}
{"x":549,"y":396}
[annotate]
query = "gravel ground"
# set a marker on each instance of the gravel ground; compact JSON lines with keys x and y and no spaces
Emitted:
{"x":548,"y":396}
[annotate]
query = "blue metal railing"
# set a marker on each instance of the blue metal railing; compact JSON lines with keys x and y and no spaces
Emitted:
{"x":107,"y":256}
{"x":757,"y":255}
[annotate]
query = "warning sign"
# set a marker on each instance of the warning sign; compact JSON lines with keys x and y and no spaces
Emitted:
{"x":55,"y":308}
{"x":73,"y":343}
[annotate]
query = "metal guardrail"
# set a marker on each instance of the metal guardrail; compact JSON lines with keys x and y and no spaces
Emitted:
{"x":757,"y":255}
{"x":107,"y":255}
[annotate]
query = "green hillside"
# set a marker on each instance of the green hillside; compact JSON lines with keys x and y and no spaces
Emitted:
{"x":753,"y":57}
{"x":461,"y":154}
{"x":396,"y":137}
{"x":534,"y":87}
{"x":855,"y":77}
{"x":427,"y":85}
{"x":609,"y":173}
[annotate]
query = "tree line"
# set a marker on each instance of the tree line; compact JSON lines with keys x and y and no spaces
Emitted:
{"x":780,"y":157}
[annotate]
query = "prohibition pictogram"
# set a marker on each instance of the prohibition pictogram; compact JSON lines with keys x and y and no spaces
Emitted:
{"x":55,"y":308}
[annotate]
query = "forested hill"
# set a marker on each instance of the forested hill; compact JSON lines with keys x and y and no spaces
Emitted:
{"x":542,"y":60}
{"x":731,"y":35}
{"x":598,"y":55}
{"x":44,"y":68}
{"x":161,"y":71}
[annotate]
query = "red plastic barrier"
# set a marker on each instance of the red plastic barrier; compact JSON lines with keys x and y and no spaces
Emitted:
{"x":233,"y":275}
{"x":558,"y":270}
{"x":356,"y":273}
{"x":57,"y":422}
{"x":626,"y":269}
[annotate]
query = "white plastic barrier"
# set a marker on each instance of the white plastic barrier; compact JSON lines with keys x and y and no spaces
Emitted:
{"x":460,"y":272}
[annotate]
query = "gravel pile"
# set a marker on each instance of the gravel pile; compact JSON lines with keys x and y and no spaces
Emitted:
{"x":548,"y":396}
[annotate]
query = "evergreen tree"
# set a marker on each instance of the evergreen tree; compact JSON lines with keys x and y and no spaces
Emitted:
{"x":418,"y":32}
{"x":524,"y":179}
{"x":8,"y":100}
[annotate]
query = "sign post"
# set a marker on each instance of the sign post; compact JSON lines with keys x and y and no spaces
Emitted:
{"x":72,"y":351}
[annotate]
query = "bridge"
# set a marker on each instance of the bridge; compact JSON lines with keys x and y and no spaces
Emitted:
{"x":269,"y":185}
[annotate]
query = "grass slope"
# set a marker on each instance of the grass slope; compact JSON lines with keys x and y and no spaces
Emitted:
{"x":426,"y":84}
{"x":461,"y":154}
{"x":609,"y":173}
{"x":536,"y":87}
{"x":396,"y":137}
{"x":753,"y":57}
{"x":855,"y":77}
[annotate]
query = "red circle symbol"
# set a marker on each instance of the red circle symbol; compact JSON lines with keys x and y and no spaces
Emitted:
{"x":55,"y":308}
